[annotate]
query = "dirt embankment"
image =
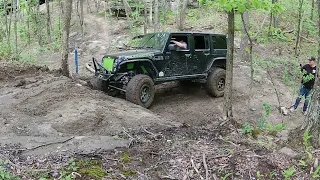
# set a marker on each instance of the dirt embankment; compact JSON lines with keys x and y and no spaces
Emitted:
{"x":43,"y":103}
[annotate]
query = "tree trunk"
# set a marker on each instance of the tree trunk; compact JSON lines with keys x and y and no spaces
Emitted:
{"x":7,"y":25}
{"x":14,"y":2}
{"x":156,"y":15}
{"x":312,"y":10}
{"x":182,"y":14}
{"x":229,"y":74}
{"x":127,"y":8}
{"x":299,"y":27}
{"x":244,"y":48}
{"x":88,"y":7}
{"x":273,"y":20}
{"x":48,"y":20}
{"x":311,"y":15}
{"x":65,"y":38}
{"x":145,"y":27}
{"x":248,"y":51}
{"x":274,"y":17}
{"x":164,"y":9}
{"x":82,"y":19}
{"x":28,"y":21}
{"x":312,"y":124}
{"x":151,"y":12}
{"x":39,"y":33}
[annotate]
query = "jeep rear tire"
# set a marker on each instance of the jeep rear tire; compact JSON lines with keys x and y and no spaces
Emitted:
{"x":216,"y":80}
{"x":140,"y":90}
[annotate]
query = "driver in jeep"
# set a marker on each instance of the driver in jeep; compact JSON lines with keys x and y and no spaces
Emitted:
{"x":181,"y":44}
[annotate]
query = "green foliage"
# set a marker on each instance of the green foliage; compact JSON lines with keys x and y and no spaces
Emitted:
{"x":316,"y":173}
{"x":91,"y":168}
{"x":306,"y":143}
{"x":288,"y":173}
{"x":125,"y":158}
{"x":263,"y":125}
{"x":4,"y":173}
{"x":128,"y":173}
{"x":167,"y":18}
{"x":244,"y":5}
{"x":259,"y":175}
{"x":303,"y":163}
{"x":5,"y":51}
{"x":226,"y":176}
{"x":247,"y":128}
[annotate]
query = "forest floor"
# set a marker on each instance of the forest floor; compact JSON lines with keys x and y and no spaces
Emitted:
{"x":53,"y":126}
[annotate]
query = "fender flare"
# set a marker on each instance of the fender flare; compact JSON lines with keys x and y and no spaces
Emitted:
{"x":141,"y":60}
{"x":211,"y":62}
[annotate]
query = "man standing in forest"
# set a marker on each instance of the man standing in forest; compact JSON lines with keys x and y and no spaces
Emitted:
{"x":307,"y":83}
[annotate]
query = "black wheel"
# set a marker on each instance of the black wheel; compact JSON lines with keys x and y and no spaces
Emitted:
{"x":140,"y":90}
{"x":96,"y":84}
{"x":216,"y":82}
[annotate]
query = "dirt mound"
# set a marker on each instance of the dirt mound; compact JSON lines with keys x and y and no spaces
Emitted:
{"x":9,"y":70}
{"x":53,"y":105}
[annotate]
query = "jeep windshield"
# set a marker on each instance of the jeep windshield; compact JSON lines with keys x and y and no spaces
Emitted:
{"x":149,"y":41}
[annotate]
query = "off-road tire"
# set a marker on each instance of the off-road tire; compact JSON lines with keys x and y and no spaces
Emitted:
{"x":215,"y":76}
{"x":98,"y":84}
{"x":135,"y":87}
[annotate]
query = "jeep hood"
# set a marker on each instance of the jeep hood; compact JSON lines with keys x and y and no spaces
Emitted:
{"x":134,"y":54}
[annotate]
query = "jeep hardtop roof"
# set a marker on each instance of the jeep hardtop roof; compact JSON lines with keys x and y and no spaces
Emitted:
{"x":187,"y":32}
{"x":184,"y":32}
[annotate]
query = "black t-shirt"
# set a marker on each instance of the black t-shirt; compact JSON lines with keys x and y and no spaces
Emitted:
{"x":308,"y":76}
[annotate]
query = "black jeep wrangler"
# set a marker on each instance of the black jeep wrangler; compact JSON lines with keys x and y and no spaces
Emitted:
{"x":156,"y":58}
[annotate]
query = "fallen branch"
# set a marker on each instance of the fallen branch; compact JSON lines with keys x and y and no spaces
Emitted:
{"x":220,"y":138}
{"x":48,"y":144}
{"x":205,"y":166}
{"x":219,"y":156}
{"x":131,"y":138}
{"x":288,"y":31}
{"x":42,"y":145}
{"x":89,"y":68}
{"x":308,"y":40}
{"x":274,"y":86}
{"x":195,"y":168}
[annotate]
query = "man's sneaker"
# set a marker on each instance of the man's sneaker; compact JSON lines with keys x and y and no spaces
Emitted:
{"x":305,"y":113}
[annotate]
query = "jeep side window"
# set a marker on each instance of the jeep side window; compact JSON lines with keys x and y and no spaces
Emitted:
{"x":219,"y":42}
{"x":181,"y":40}
{"x":201,"y":42}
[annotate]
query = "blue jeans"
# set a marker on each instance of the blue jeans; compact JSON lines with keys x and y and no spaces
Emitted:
{"x":304,"y":92}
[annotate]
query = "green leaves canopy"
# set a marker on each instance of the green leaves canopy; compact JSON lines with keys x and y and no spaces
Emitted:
{"x":241,"y":6}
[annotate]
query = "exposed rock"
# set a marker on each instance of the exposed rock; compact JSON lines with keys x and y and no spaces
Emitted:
{"x":289,"y":152}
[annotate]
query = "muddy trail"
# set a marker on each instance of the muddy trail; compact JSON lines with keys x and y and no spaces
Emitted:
{"x":44,"y":103}
{"x":48,"y":119}
{"x":38,"y":102}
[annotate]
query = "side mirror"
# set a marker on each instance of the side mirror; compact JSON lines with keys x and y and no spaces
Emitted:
{"x":172,"y":47}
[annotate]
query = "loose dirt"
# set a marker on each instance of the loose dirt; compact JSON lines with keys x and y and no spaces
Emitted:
{"x":43,"y":103}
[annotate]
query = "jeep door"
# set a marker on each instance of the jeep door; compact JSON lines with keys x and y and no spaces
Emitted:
{"x":176,"y":60}
{"x":201,"y":54}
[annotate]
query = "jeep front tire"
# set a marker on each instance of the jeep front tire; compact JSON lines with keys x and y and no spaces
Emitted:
{"x":140,"y":90}
{"x":98,"y":84}
{"x":216,"y":82}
